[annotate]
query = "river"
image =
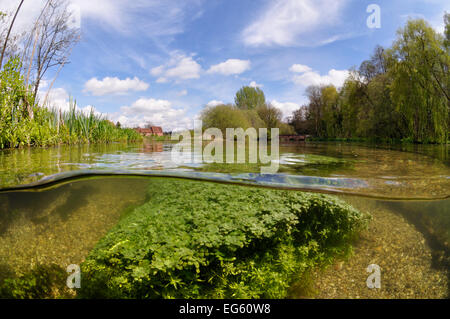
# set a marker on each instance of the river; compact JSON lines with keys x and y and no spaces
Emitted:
{"x":57,"y":203}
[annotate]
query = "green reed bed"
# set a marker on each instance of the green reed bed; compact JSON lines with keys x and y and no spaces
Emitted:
{"x":24,"y":123}
{"x":204,"y":240}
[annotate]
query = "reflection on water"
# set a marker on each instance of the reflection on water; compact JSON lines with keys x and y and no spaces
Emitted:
{"x":373,"y":171}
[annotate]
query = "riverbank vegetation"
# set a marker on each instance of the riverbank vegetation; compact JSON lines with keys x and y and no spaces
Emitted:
{"x":401,"y":94}
{"x":250,"y":110}
{"x":218,"y":241}
{"x":25,"y":59}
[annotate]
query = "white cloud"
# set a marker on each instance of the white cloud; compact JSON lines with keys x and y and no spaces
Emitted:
{"x":253,"y":84}
{"x":230,"y":66}
{"x":158,"y":112}
{"x":286,"y":108}
{"x":160,"y":18}
{"x":180,"y":67}
{"x":182,"y":93}
{"x":284,"y":21}
{"x":306,"y":76}
{"x":214,"y":103}
{"x":58,"y":99}
{"x":299,"y":68}
{"x":157,"y":71}
{"x":114,"y":85}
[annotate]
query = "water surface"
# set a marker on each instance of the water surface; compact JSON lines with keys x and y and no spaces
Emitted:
{"x":56,"y":203}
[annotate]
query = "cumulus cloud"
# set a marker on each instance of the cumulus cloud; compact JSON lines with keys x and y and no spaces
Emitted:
{"x":214,"y":103}
{"x":253,"y":84}
{"x":180,"y":67}
{"x":299,"y":68}
{"x":230,"y":66}
{"x":114,"y":85}
{"x":306,"y":76}
{"x":158,"y":112}
{"x":58,"y":99}
{"x":287,"y":108}
{"x":284,"y":21}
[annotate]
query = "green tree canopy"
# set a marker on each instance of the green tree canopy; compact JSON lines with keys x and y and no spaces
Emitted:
{"x":270,"y":115}
{"x":419,"y":68}
{"x":249,"y":98}
{"x":400,"y":93}
{"x":223,"y":117}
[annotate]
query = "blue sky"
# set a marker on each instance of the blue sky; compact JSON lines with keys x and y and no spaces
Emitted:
{"x":164,"y":61}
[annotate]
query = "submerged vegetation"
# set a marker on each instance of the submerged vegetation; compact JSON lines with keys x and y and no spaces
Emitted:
{"x":41,"y":282}
{"x":203,"y":240}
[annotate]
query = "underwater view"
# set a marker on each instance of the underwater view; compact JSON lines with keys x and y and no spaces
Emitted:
{"x":140,"y":226}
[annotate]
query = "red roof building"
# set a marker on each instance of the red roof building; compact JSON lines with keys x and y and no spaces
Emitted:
{"x":153,"y":130}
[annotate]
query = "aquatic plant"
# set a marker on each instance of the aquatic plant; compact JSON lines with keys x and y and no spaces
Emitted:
{"x":205,"y":240}
{"x":43,"y":281}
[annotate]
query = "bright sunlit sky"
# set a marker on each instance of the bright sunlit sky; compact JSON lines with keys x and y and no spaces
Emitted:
{"x":164,"y":61}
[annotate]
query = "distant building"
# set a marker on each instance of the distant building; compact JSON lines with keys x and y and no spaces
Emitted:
{"x":153,"y":130}
{"x":157,"y":130}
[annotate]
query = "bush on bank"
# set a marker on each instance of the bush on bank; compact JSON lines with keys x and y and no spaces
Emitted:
{"x":205,"y":240}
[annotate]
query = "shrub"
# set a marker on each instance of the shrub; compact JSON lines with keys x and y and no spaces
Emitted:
{"x":204,"y":240}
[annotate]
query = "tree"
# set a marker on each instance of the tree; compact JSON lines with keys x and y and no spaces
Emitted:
{"x":331,"y":113}
{"x":314,"y":114}
{"x":254,"y":119}
{"x":249,"y":98}
{"x":10,"y":45}
{"x":419,"y":67}
{"x":298,"y":120}
{"x":8,"y":33}
{"x":270,"y":115}
{"x":54,"y":39}
{"x":375,"y":66}
{"x":223,"y":117}
{"x":447,"y":30}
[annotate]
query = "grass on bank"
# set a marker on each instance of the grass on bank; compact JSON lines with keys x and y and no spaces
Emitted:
{"x":24,"y":123}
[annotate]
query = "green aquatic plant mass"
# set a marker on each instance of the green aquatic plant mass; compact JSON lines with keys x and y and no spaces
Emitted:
{"x":206,"y":240}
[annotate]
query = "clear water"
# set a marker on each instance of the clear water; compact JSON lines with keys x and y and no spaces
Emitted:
{"x":56,"y":203}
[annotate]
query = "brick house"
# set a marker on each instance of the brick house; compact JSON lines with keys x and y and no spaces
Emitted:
{"x":153,"y":130}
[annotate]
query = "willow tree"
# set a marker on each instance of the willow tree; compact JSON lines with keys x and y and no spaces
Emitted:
{"x":223,"y":117}
{"x":418,"y":65}
{"x":447,"y":30}
{"x":331,"y":112}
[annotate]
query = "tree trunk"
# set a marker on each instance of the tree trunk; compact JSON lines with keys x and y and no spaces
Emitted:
{"x":9,"y":32}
